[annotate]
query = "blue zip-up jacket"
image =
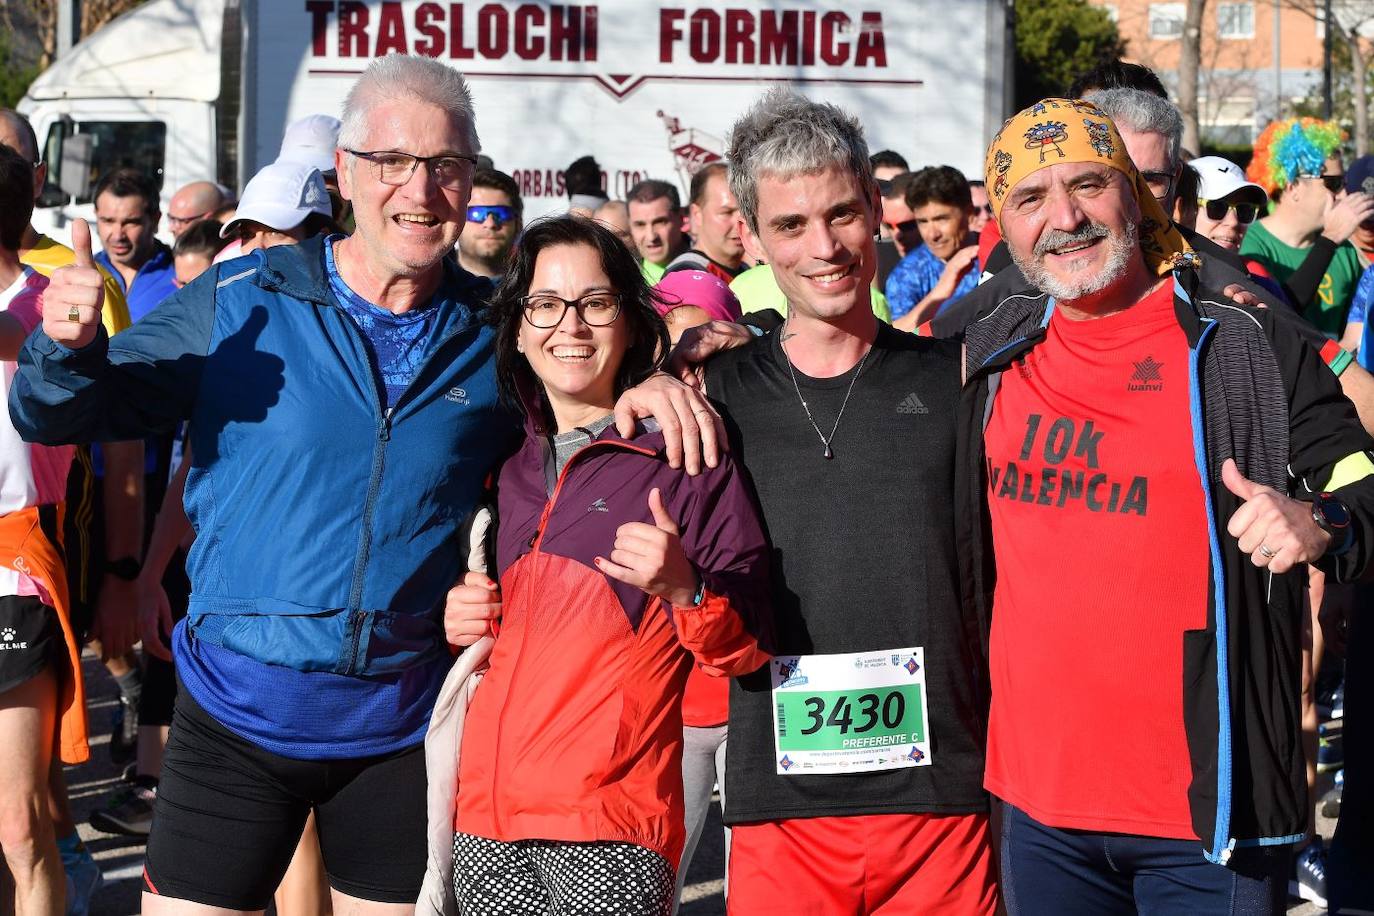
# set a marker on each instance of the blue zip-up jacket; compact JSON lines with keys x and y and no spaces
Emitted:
{"x":325,"y":526}
{"x":154,"y":281}
{"x":1261,"y":395}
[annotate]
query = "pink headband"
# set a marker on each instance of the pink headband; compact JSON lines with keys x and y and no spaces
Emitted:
{"x":696,"y":287}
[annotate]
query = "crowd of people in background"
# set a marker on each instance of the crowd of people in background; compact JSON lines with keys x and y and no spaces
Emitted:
{"x":281,"y":454}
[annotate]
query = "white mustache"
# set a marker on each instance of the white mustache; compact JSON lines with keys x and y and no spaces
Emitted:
{"x":1058,"y":239}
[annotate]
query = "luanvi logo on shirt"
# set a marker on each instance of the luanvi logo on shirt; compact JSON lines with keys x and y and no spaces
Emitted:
{"x":1146,"y":376}
{"x":912,"y":404}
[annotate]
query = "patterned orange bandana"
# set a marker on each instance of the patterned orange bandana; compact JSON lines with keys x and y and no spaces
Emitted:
{"x":1070,"y":130}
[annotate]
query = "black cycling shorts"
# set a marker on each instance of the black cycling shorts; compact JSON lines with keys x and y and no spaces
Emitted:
{"x":30,"y":639}
{"x":229,"y":815}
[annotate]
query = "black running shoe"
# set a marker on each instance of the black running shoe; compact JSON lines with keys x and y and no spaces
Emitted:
{"x":128,"y":810}
{"x":124,"y":731}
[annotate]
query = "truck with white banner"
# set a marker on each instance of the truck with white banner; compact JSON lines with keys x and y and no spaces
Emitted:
{"x":203,"y":89}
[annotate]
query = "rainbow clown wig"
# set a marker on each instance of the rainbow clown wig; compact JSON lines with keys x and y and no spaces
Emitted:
{"x":1287,"y":149}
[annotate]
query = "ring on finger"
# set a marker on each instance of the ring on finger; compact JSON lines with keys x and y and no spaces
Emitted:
{"x":74,"y":313}
{"x":1268,"y":552}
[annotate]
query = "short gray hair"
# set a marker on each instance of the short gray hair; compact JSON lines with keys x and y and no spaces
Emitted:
{"x":1142,"y":112}
{"x":24,"y":129}
{"x":421,"y":79}
{"x":785,"y":135}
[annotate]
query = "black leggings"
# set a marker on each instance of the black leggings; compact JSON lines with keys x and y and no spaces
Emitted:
{"x":558,"y":878}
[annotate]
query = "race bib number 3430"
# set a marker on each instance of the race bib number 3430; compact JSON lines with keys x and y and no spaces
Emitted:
{"x":852,"y":713}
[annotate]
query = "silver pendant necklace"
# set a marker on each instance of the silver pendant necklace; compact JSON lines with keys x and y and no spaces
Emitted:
{"x":825,"y":440}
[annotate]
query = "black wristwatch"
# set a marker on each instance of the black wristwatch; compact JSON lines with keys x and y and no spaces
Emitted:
{"x":126,"y":568}
{"x":1332,"y":516}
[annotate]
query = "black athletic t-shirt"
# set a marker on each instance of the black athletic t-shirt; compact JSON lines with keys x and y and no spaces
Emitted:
{"x":863,"y":560}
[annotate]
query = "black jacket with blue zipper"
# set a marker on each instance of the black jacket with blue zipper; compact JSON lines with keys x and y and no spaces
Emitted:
{"x":1263,"y":396}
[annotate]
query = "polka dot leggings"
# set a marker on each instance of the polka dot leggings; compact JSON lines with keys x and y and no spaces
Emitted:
{"x":556,"y":878}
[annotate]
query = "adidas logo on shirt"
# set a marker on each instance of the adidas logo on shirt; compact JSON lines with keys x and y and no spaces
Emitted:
{"x":912,"y":404}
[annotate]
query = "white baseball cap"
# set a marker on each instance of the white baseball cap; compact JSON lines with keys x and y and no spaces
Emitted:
{"x":280,"y":197}
{"x":311,"y":141}
{"x":1218,"y":178}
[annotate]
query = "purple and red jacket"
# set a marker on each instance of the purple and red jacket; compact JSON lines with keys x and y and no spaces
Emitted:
{"x":576,"y":730}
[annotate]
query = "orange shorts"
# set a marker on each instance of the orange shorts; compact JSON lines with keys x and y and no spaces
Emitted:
{"x":884,"y":864}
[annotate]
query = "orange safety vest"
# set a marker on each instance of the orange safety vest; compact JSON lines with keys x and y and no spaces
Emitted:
{"x":24,"y":546}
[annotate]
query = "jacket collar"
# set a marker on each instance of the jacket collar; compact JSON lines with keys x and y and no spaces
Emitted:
{"x":159,"y":260}
{"x":298,"y":272}
{"x":527,"y":388}
{"x":1030,"y":316}
{"x":1187,"y":287}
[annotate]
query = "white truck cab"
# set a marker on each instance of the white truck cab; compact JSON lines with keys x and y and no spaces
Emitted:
{"x":141,"y":92}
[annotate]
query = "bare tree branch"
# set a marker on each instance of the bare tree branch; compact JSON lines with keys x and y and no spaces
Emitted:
{"x":1349,"y":19}
{"x":96,"y":13}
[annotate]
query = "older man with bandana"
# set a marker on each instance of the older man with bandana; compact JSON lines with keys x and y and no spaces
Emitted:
{"x":1161,"y":465}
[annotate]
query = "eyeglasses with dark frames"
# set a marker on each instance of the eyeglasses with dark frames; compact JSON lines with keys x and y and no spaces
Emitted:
{"x":1333,"y":183}
{"x":1161,"y":183}
{"x":545,"y":310}
{"x":186,"y":220}
{"x":1216,"y":210}
{"x":395,"y":168}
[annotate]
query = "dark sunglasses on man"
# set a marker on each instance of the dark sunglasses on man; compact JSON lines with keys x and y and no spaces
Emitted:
{"x":1216,"y":210}
{"x":1333,"y":183}
{"x":501,"y":214}
{"x":902,"y":227}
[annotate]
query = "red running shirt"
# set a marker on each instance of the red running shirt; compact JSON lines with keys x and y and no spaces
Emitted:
{"x":1099,"y":528}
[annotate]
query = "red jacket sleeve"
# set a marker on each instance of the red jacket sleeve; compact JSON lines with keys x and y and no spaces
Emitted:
{"x":731,"y":631}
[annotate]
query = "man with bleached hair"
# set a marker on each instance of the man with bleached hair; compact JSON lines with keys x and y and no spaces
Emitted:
{"x":855,"y":757}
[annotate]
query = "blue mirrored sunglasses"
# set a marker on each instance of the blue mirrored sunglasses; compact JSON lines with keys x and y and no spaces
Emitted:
{"x":503,"y":215}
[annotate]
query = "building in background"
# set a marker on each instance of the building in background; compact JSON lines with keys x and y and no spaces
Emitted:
{"x":1242,"y":71}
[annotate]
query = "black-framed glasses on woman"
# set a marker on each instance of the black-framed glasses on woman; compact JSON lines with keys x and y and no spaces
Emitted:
{"x":395,"y":168}
{"x":545,"y":310}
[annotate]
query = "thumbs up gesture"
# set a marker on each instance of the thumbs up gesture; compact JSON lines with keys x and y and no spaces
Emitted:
{"x":650,"y":557}
{"x":1272,"y":529}
{"x":72,"y":301}
{"x":472,"y":609}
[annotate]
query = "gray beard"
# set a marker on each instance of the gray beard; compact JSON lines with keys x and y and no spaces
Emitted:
{"x":1121,"y":248}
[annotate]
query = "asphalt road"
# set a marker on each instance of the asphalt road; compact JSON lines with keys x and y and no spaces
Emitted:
{"x":121,"y":858}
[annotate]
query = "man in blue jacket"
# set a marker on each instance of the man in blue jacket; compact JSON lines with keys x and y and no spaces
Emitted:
{"x":344,"y":412}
